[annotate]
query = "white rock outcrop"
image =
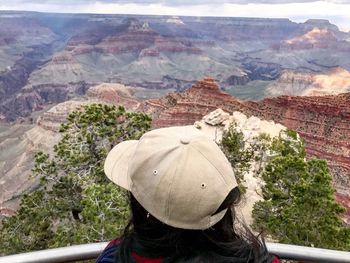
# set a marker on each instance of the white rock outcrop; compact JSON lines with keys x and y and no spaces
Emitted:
{"x":215,"y":123}
{"x":216,"y":117}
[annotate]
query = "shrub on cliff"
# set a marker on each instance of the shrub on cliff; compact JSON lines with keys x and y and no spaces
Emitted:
{"x":239,"y":155}
{"x":74,"y":202}
{"x":299,"y":205}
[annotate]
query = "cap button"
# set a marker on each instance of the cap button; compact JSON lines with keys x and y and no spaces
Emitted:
{"x":185,"y":140}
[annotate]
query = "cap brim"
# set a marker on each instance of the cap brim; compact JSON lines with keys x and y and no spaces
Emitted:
{"x":117,"y":163}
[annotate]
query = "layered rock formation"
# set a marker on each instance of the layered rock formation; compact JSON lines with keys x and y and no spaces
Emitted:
{"x":35,"y":98}
{"x":140,"y":38}
{"x":46,"y":59}
{"x":323,"y":122}
{"x":299,"y":83}
{"x":58,"y":56}
{"x":115,"y":94}
{"x":23,"y":30}
{"x":25,"y":44}
{"x":319,"y":23}
{"x":19,"y":143}
{"x":319,"y":120}
{"x":316,"y":38}
{"x":191,"y":105}
{"x":54,"y":117}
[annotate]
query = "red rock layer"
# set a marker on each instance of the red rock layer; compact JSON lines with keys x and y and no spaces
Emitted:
{"x":143,"y":41}
{"x":323,"y":122}
{"x":114,"y":94}
{"x":128,"y":42}
{"x":190,"y":106}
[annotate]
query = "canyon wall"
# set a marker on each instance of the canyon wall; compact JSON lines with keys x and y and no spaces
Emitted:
{"x":51,"y":58}
{"x":301,"y":83}
{"x":323,"y":122}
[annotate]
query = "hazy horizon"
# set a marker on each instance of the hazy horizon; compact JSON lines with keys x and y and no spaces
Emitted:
{"x":336,"y":11}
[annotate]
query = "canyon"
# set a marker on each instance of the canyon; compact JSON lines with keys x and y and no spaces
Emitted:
{"x":50,"y":58}
{"x":296,"y":74}
{"x":323,"y":122}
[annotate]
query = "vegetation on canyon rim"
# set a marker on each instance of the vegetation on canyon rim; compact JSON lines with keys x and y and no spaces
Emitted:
{"x":299,"y":205}
{"x":75,"y":203}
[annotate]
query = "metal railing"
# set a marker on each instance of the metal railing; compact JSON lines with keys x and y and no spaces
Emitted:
{"x":57,"y":255}
{"x":91,"y":251}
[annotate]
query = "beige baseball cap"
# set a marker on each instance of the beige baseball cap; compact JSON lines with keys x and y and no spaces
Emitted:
{"x":178,"y":174}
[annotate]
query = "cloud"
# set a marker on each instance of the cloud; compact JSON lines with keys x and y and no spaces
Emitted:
{"x":161,"y":2}
{"x":337,"y":11}
{"x":243,"y":2}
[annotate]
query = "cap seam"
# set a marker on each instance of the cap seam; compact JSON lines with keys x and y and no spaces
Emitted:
{"x":221,"y":175}
{"x":131,"y":160}
{"x":167,"y":209}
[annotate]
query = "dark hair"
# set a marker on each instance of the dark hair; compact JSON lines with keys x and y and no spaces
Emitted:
{"x":223,"y":242}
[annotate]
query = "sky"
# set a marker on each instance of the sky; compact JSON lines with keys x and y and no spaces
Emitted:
{"x":337,"y":11}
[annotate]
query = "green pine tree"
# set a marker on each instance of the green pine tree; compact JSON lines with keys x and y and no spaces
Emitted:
{"x":299,"y":205}
{"x":75,"y":203}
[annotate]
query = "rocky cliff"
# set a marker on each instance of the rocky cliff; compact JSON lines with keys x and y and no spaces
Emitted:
{"x":317,"y":38}
{"x":191,"y":105}
{"x":35,"y":98}
{"x":19,"y":142}
{"x":50,"y":58}
{"x":114,"y":94}
{"x":323,"y":122}
{"x":139,"y":38}
{"x":216,"y":122}
{"x":301,"y":83}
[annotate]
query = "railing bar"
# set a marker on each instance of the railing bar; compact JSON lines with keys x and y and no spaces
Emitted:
{"x":91,"y":251}
{"x":294,"y":252}
{"x":58,"y":255}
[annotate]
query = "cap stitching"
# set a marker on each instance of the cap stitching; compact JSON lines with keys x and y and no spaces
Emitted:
{"x":131,"y":161}
{"x":222,"y":176}
{"x":167,"y":213}
{"x":208,"y":217}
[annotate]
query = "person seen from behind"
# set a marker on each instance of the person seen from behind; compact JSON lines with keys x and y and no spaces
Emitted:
{"x":182,"y":195}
